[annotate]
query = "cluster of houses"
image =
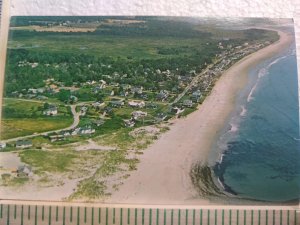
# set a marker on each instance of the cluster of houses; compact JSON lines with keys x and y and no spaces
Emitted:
{"x":20,"y":144}
{"x":135,"y":116}
{"x":225,"y":60}
{"x":85,"y":130}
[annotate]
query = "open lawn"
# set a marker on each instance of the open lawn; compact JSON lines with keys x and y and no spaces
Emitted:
{"x":24,"y":117}
{"x":11,"y":128}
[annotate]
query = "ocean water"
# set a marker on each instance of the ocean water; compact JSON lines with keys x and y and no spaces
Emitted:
{"x":260,"y":146}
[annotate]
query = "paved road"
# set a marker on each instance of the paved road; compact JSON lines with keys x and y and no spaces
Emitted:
{"x":76,"y":120}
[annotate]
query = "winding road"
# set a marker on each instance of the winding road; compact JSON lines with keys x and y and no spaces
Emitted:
{"x":76,"y":120}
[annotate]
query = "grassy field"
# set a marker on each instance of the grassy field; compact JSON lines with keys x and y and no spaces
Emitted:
{"x":58,"y":161}
{"x":113,"y":46}
{"x":22,"y":118}
{"x":11,"y":128}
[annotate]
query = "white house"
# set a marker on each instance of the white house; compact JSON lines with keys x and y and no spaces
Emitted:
{"x":23,"y":144}
{"x":51,"y":111}
{"x":129,"y":123}
{"x":137,"y":104}
{"x":86,"y":130}
{"x":2,"y":145}
{"x":138,"y":114}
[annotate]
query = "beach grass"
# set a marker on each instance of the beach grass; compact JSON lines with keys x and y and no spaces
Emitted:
{"x":48,"y":161}
{"x":89,"y":189}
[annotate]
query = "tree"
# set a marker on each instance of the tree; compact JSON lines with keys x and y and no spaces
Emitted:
{"x":64,"y":95}
{"x":46,"y":105}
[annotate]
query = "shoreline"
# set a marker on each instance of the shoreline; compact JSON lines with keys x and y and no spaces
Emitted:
{"x":163,"y":174}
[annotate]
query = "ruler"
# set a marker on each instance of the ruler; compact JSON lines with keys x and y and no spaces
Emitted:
{"x":30,"y":214}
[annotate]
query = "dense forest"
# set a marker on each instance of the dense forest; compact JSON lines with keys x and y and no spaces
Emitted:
{"x":173,"y":45}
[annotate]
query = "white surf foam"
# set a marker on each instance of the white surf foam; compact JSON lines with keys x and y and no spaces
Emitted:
{"x":261,"y":73}
{"x":244,"y":111}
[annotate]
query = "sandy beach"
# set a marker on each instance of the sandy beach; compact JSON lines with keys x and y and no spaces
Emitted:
{"x":163,"y":174}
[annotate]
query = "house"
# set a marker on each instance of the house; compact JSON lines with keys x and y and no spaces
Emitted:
{"x":58,"y":137}
{"x":151,"y":105}
{"x":129,"y":123}
{"x":96,"y":89}
{"x":102,"y":82}
{"x":161,"y":117}
{"x":176,"y":110}
{"x":144,"y":96}
{"x":126,"y":86}
{"x":186,"y":78}
{"x":117,"y":104}
{"x":51,"y":111}
{"x":32,"y":90}
{"x":108,"y":110}
{"x":162,"y":95}
{"x":196,"y":96}
{"x":73,"y":98}
{"x":124,"y":93}
{"x":24,"y":171}
{"x":41,"y":97}
{"x":138,"y":114}
{"x":30,"y":96}
{"x":136,"y":104}
{"x":86,"y":130}
{"x":75,"y":132}
{"x":97,"y":105}
{"x":65,"y":133}
{"x":23,"y":144}
{"x":83,"y":110}
{"x":188,"y":103}
{"x":137,"y":90}
{"x":98,"y":123}
{"x":83,"y":131}
{"x":41,"y":90}
{"x":2,"y":145}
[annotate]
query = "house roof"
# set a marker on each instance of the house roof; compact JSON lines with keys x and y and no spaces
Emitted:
{"x":24,"y":142}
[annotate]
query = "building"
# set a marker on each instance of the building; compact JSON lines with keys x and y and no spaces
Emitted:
{"x":188,"y":103}
{"x":41,"y":97}
{"x":86,"y":130}
{"x":162,"y":95}
{"x":137,"y":90}
{"x":138,"y":114}
{"x":129,"y":123}
{"x":117,"y":104}
{"x":98,"y":123}
{"x":24,"y":171}
{"x":160,"y":117}
{"x":59,"y":137}
{"x":23,"y":144}
{"x":51,"y":111}
{"x":176,"y":110}
{"x":83,"y":110}
{"x":196,"y":96}
{"x":97,"y":105}
{"x":73,"y":99}
{"x":2,"y":145}
{"x":137,"y":104}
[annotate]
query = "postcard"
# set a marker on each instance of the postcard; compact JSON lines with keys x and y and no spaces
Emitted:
{"x":150,"y":110}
